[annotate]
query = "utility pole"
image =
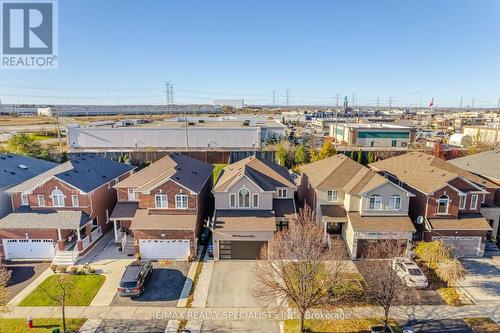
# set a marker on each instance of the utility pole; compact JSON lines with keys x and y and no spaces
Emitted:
{"x":287,"y":91}
{"x":353,"y":99}
{"x":337,"y":104}
{"x":461,"y":102}
{"x":378,"y":102}
{"x":274,"y":97}
{"x":472,"y":104}
{"x":171,"y":93}
{"x":58,"y":126}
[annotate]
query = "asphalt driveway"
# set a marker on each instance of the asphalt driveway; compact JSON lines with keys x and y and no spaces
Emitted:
{"x":439,"y":326}
{"x":163,"y":287}
{"x":482,"y":284}
{"x":22,"y":274}
{"x":132,"y":326}
{"x":231,"y":284}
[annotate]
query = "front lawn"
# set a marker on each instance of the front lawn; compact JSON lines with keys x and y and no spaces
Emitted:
{"x":85,"y":288}
{"x":40,"y":325}
{"x":482,"y":325}
{"x":336,"y":326}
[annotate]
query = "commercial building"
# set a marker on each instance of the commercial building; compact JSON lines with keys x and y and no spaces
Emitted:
{"x":372,"y":135}
{"x":486,"y":135}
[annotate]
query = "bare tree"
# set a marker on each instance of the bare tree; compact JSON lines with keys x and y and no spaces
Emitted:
{"x":4,"y":279}
{"x":384,"y":286}
{"x":65,"y":288}
{"x":301,"y":271}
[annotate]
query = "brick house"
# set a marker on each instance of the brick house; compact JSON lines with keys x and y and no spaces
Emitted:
{"x":253,"y":199}
{"x":447,"y":200}
{"x":356,"y":204}
{"x":62,"y":211}
{"x":162,"y":208}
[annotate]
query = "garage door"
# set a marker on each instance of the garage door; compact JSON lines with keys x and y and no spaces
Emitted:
{"x":462,"y":246}
{"x":375,"y":248}
{"x":29,"y":248}
{"x":240,"y":249}
{"x":164,"y":248}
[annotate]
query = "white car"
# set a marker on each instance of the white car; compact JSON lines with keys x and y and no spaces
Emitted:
{"x":409,"y":273}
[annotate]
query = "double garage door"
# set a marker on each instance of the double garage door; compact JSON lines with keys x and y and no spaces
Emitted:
{"x":28,"y":248}
{"x":462,"y":246}
{"x":165,"y":248}
{"x":240,"y":249}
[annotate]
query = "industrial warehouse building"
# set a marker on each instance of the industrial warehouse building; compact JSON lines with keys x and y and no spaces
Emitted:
{"x":372,"y":135}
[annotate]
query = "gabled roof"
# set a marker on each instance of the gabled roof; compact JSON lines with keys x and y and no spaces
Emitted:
{"x":266,"y":175}
{"x":425,"y":172}
{"x":15,"y":169}
{"x":84,"y":173}
{"x":184,"y":170}
{"x":486,"y":164}
{"x":26,"y":218}
{"x":341,"y":172}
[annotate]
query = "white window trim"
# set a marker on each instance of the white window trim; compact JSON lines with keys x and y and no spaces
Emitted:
{"x":335,"y":198}
{"x":23,"y":202}
{"x":473,"y":203}
{"x":177,"y":197}
{"x":41,"y":203}
{"x":156,"y":200}
{"x":73,"y":201}
{"x":249,"y":198}
{"x":132,"y":194}
{"x":52,"y":196}
{"x":460,"y":205}
{"x":375,"y":197}
{"x":255,"y":195}
{"x":232,"y":200}
{"x":282,"y":193}
{"x":392,"y":202}
{"x":447,"y":205}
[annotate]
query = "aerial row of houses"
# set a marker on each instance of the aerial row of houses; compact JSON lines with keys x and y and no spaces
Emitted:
{"x":56,"y":212}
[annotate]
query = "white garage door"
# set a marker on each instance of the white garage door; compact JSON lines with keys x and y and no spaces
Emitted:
{"x":164,"y":248}
{"x":462,"y":246}
{"x":29,"y":248}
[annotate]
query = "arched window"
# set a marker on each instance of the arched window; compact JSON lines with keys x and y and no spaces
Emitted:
{"x":375,"y":202}
{"x":443,"y":203}
{"x":395,"y":202}
{"x":57,"y":198}
{"x":244,"y":198}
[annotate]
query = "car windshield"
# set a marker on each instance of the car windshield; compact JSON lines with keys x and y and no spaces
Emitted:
{"x":414,"y":271}
{"x":128,"y":284}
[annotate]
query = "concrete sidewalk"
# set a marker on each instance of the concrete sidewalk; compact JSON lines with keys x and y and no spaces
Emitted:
{"x":202,"y":287}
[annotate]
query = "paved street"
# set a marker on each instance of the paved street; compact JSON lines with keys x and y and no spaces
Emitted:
{"x":482,"y":284}
{"x":247,"y":326}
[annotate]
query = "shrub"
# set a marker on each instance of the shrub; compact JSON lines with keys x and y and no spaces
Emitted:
{"x":450,"y":271}
{"x":431,"y":253}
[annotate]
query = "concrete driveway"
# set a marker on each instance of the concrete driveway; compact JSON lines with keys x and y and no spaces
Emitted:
{"x":22,"y":274}
{"x":121,"y":326}
{"x":163,"y":287}
{"x":231,"y":285}
{"x":482,"y":283}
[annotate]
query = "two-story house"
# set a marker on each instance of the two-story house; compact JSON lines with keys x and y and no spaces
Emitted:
{"x":253,"y":199}
{"x":63,"y":211}
{"x":356,"y":204}
{"x":447,"y":200}
{"x":162,"y":208}
{"x":15,"y":169}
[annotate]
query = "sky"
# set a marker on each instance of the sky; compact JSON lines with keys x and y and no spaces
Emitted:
{"x":122,"y":52}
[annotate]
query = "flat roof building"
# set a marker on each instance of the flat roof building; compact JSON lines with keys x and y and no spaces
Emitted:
{"x":372,"y":135}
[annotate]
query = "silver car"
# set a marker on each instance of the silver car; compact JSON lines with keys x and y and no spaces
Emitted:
{"x":409,"y":273}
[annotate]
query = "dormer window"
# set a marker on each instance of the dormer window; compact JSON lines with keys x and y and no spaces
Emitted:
{"x":24,"y":199}
{"x":375,"y":202}
{"x":461,"y":203}
{"x":443,"y":204}
{"x":332,"y":196}
{"x":282,"y":193}
{"x":161,"y":201}
{"x":244,"y":198}
{"x":395,"y":202}
{"x":132,"y":195}
{"x":473,"y":201}
{"x":57,"y":198}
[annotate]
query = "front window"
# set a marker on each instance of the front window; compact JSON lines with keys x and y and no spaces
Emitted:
{"x":132,"y":195}
{"x":181,"y":201}
{"x":24,"y":199}
{"x":74,"y":200}
{"x":395,"y":202}
{"x":332,"y":196}
{"x":375,"y":202}
{"x":232,"y":200}
{"x":57,"y":198}
{"x":255,"y":200}
{"x":473,"y":202}
{"x":394,"y":143}
{"x":461,"y":204}
{"x":41,"y":200}
{"x":282,"y":193}
{"x":244,"y":198}
{"x":443,"y":203}
{"x":161,"y":200}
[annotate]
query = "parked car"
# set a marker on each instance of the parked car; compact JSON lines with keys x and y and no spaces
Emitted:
{"x":409,"y":273}
{"x":205,"y":236}
{"x":134,"y":278}
{"x":381,"y":329}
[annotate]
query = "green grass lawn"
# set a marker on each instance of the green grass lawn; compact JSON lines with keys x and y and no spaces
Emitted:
{"x":85,"y":288}
{"x":336,"y":326}
{"x":217,"y":170}
{"x":39,"y":325}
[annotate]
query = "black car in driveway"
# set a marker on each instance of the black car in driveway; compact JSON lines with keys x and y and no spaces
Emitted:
{"x":134,"y":278}
{"x":205,"y":236}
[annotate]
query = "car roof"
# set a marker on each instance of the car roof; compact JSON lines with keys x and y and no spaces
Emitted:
{"x":131,"y":273}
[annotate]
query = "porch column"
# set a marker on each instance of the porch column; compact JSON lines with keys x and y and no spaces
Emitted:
{"x":79,"y":244}
{"x":116,"y":230}
{"x":60,"y":240}
{"x":78,"y":237}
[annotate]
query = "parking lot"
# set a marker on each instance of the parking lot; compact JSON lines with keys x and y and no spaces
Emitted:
{"x":163,"y":287}
{"x":22,"y":274}
{"x":231,"y":284}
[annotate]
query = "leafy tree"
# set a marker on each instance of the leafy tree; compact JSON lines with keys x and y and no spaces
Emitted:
{"x":282,"y":155}
{"x":354,"y":155}
{"x":24,"y":144}
{"x":313,"y":155}
{"x":370,"y":157}
{"x":327,"y":150}
{"x":360,"y":157}
{"x":4,"y":279}
{"x":301,"y":155}
{"x":438,"y":149}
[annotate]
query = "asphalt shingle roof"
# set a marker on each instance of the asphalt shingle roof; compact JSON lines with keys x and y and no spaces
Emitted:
{"x":11,"y":173}
{"x":486,"y":164}
{"x":26,"y":218}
